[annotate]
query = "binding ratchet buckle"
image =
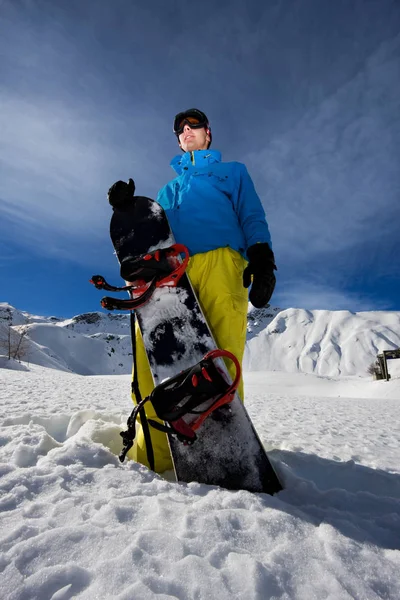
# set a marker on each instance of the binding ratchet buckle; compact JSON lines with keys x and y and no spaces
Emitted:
{"x":143,"y":274}
{"x":185,"y":401}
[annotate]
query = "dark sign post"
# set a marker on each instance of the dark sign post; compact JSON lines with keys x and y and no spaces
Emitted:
{"x":383,"y":358}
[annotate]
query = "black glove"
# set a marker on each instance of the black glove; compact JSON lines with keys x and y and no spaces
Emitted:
{"x":120,"y":194}
{"x":261,"y":266}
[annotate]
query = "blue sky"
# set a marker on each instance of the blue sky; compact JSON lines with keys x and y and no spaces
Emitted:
{"x":306,"y":94}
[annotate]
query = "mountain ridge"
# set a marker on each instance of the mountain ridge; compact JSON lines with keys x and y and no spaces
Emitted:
{"x":321,"y":342}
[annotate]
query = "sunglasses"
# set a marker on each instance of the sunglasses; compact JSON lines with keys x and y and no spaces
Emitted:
{"x":193,"y":122}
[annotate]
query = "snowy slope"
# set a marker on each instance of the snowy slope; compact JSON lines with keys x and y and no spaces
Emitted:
{"x":329,"y":343}
{"x":75,"y":523}
{"x":88,"y":344}
{"x":324,"y":342}
{"x":83,"y":354}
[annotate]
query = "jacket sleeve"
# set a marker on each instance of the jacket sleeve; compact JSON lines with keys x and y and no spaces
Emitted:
{"x":250,"y":211}
{"x":165,"y":196}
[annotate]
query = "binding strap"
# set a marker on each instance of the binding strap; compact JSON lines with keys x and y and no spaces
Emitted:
{"x":184,"y":402}
{"x":145,"y":273}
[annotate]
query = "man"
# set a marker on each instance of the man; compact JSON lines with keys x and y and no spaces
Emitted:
{"x":214,"y":210}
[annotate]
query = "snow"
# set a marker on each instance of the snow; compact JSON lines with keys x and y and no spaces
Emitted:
{"x":324,"y":342}
{"x":75,"y":523}
{"x":327,"y":343}
{"x":88,"y":344}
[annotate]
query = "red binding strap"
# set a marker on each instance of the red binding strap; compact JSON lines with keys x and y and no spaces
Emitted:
{"x":230,"y":392}
{"x":173,"y":278}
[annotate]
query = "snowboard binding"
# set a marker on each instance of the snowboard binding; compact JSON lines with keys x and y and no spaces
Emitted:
{"x":184,"y":402}
{"x":145,"y":273}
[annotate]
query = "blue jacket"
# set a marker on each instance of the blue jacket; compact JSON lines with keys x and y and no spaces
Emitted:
{"x":212,"y":204}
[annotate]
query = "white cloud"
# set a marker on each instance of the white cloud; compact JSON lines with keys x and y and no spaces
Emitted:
{"x":329,"y":181}
{"x":56,"y":163}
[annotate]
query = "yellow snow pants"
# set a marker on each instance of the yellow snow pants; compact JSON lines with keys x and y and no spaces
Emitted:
{"x":216,"y":277}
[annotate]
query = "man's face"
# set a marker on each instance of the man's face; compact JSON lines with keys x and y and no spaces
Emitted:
{"x":193,"y":139}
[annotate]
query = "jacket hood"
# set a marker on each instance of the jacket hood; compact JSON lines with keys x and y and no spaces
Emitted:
{"x":198,"y":158}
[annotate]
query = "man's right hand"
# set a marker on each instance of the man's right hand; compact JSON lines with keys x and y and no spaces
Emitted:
{"x":120,"y":194}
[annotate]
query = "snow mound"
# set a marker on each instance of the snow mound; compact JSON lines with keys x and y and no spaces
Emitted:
{"x":12,"y":364}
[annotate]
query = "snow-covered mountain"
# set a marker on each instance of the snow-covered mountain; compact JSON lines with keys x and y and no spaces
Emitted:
{"x":327,"y":343}
{"x":88,"y":344}
{"x":324,"y":342}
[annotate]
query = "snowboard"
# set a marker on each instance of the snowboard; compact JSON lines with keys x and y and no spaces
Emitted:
{"x":227,"y":452}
